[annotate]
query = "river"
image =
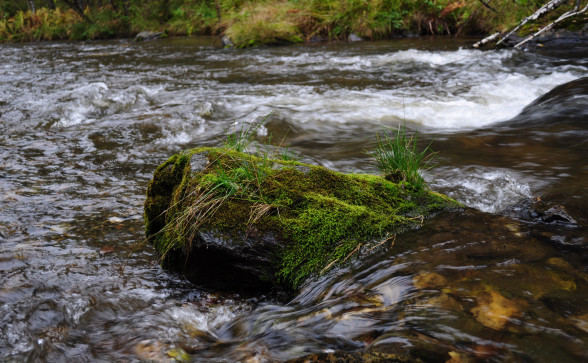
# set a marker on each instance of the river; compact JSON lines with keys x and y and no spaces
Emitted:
{"x":84,"y":125}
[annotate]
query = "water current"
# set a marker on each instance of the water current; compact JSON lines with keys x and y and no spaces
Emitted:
{"x":84,"y":125}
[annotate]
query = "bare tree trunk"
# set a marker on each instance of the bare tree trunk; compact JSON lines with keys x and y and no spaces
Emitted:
{"x":548,"y":7}
{"x":218,"y":10}
{"x":32,"y":6}
{"x":564,"y":16}
{"x":487,"y":40}
{"x":539,"y":13}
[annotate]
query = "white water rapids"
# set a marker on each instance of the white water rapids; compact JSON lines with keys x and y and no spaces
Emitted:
{"x":447,"y":90}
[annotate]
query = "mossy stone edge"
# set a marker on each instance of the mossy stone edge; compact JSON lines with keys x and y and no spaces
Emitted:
{"x":288,"y":222}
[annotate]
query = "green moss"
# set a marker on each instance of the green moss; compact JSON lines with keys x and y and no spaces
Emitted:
{"x":321,"y":216}
{"x":159,"y":192}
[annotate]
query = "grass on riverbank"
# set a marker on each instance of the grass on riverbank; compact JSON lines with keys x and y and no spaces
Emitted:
{"x":250,"y":23}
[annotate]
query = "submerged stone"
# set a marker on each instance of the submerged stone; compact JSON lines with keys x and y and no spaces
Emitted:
{"x":150,"y":350}
{"x":429,"y":280}
{"x":495,"y":311}
{"x":236,"y":221}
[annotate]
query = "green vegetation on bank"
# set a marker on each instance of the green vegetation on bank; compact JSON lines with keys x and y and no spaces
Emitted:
{"x":251,"y":22}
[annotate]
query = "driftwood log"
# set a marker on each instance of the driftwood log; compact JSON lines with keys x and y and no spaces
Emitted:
{"x":545,"y":9}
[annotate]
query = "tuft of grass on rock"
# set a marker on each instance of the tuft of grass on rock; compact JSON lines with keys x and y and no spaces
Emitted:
{"x":240,"y":140}
{"x":322,"y":217}
{"x":400,"y":160}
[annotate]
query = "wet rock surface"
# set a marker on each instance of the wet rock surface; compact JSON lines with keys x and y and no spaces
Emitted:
{"x":234,"y":221}
{"x":495,"y":311}
{"x":148,"y":35}
{"x":227,"y":42}
{"x":539,"y":211}
{"x":495,"y":281}
{"x":562,"y":38}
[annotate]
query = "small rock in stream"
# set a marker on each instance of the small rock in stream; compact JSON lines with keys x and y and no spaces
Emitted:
{"x":557,"y":214}
{"x":237,"y":222}
{"x":227,"y":43}
{"x":495,"y":311}
{"x":148,"y":35}
{"x":429,"y":280}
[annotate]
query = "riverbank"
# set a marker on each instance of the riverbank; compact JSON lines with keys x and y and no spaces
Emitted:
{"x":253,"y":23}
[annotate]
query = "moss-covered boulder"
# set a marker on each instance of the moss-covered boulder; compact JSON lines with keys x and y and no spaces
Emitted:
{"x":236,"y":221}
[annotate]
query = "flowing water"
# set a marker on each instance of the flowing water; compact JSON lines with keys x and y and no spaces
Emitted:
{"x":84,"y":125}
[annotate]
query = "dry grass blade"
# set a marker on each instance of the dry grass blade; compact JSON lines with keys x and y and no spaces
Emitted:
{"x":258,"y":210}
{"x":329,"y":266}
{"x":352,"y":252}
{"x":421,"y":218}
{"x":393,"y":238}
{"x":202,"y":205}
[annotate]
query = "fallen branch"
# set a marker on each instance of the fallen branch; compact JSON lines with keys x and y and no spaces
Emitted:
{"x":571,"y":13}
{"x":486,"y":40}
{"x":553,"y":4}
{"x":488,"y":6}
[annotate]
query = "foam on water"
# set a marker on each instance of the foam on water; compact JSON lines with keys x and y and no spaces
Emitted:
{"x":96,"y":99}
{"x":448,"y":90}
{"x":334,"y":60}
{"x":172,"y":138}
{"x":433,"y":90}
{"x":438,"y":58}
{"x":208,"y":319}
{"x":484,"y":103}
{"x":497,"y":100}
{"x":488,"y":190}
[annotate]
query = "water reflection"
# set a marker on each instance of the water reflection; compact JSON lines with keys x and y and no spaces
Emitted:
{"x":472,"y":285}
